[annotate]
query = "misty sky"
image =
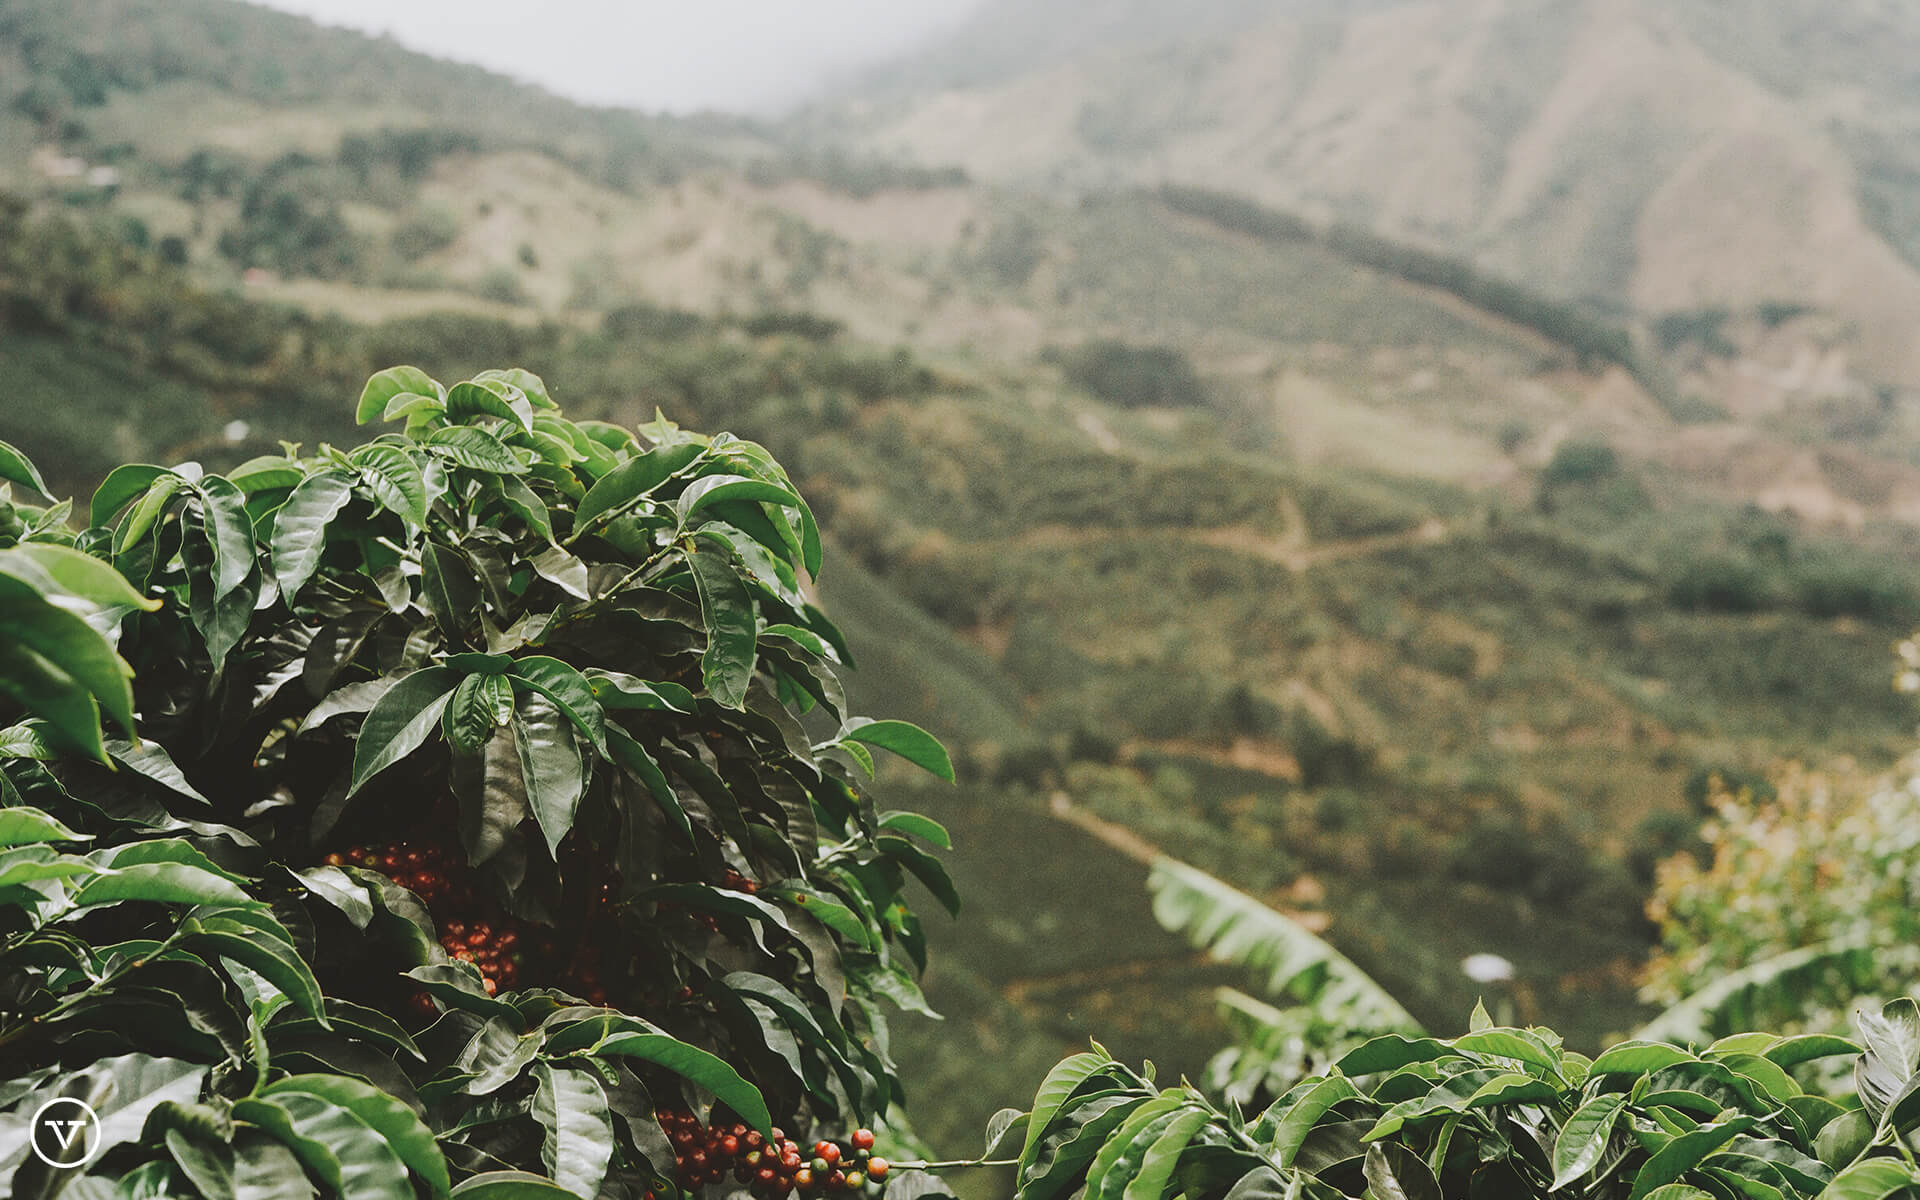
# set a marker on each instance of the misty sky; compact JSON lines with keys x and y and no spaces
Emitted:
{"x":653,"y":54}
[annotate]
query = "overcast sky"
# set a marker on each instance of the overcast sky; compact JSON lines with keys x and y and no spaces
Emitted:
{"x":752,"y":55}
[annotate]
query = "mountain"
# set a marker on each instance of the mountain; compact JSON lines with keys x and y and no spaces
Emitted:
{"x":1659,"y":157}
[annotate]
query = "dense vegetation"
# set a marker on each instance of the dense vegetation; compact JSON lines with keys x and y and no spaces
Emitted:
{"x":468,"y":839}
{"x":464,"y":823}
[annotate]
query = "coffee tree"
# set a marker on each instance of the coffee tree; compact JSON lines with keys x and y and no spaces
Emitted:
{"x":478,"y":812}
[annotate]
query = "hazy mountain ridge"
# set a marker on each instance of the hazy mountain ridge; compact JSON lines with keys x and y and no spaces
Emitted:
{"x":1661,"y":157}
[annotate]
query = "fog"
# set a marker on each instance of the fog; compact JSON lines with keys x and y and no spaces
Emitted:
{"x":738,"y":55}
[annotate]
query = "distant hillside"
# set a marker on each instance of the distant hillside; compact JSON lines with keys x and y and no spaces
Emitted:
{"x":1658,"y":155}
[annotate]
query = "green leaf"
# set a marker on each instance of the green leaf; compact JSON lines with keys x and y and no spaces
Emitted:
{"x":1396,"y":1173}
{"x":511,"y":1185}
{"x":300,"y":528}
{"x":904,"y":738}
{"x":229,"y":531}
{"x":394,"y":479}
{"x":920,"y":826}
{"x":1156,"y":1167}
{"x":490,"y":398}
{"x":449,"y":590}
{"x":1791,"y":1052}
{"x":569,"y":690}
{"x":631,"y":480}
{"x":534,"y":388}
{"x":475,"y":449}
{"x":1067,"y":1075}
{"x":207,"y":1166}
{"x":26,"y":826}
{"x":1583,"y":1139}
{"x":550,"y":767}
{"x":572,"y":1107}
{"x":1236,"y":928}
{"x":340,"y":1150}
{"x":147,"y":512}
{"x":727,"y":612}
{"x":713,"y":489}
{"x":1114,"y":1165}
{"x":929,"y":870}
{"x":1841,"y":1140}
{"x":475,"y":710}
{"x":151,"y":760}
{"x":404,"y":1132}
{"x":91,"y":579}
{"x":401,"y":721}
{"x":1292,"y":1128}
{"x":1638,"y":1058}
{"x":121,"y":485}
{"x":160,"y":883}
{"x":1874,"y":1179}
{"x":124,"y":1090}
{"x":262,"y":944}
{"x":1892,"y":1057}
{"x":62,"y":640}
{"x":385,"y":385}
{"x":1687,"y":1151}
{"x":691,"y":1062}
{"x":16,"y":467}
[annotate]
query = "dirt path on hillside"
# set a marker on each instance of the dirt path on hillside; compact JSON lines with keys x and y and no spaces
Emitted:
{"x":1292,"y":548}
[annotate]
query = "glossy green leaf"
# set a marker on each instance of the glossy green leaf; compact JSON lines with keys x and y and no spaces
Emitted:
{"x":569,"y":690}
{"x":571,"y":1107}
{"x":405,"y":1133}
{"x":693,"y":1063}
{"x":475,"y":449}
{"x":1396,"y":1173}
{"x":904,"y":738}
{"x":511,"y":1185}
{"x":68,"y":644}
{"x":160,"y":883}
{"x":343,"y":1152}
{"x":490,"y":398}
{"x":300,"y":528}
{"x":264,"y":1169}
{"x":925,"y":828}
{"x":394,"y":479}
{"x":1061,"y":1082}
{"x":91,"y":579}
{"x":146,"y":513}
{"x":20,"y":826}
{"x":727,"y":611}
{"x":468,"y":722}
{"x":385,"y":385}
{"x":1874,"y":1179}
{"x":401,"y":721}
{"x":1155,"y":1172}
{"x":550,"y":767}
{"x":229,"y":531}
{"x":1638,"y":1058}
{"x":1583,"y":1139}
{"x":624,"y":484}
{"x":16,"y":467}
{"x":1685,"y":1152}
{"x":122,"y":485}
{"x":1291,"y":1130}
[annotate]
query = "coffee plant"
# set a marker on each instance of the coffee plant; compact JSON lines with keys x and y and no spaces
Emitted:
{"x":478,"y":812}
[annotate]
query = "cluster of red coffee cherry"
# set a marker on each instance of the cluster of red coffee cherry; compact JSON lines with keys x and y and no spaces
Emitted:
{"x":492,"y":944}
{"x":771,"y":1169}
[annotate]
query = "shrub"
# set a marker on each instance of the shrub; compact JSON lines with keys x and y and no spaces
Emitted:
{"x":463,"y":831}
{"x":1133,"y":376}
